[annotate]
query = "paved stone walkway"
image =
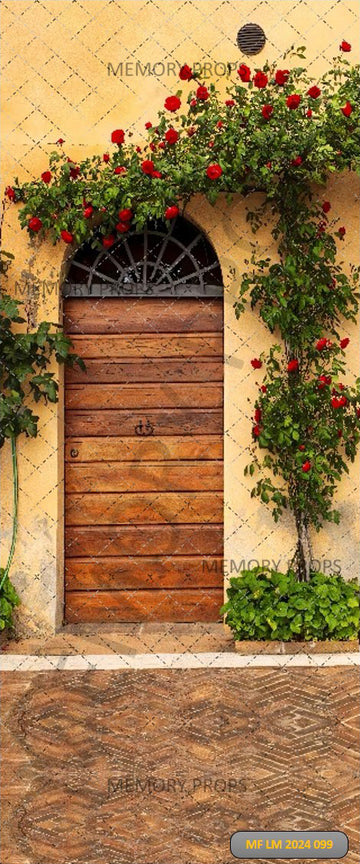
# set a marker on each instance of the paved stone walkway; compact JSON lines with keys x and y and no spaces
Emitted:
{"x":160,"y":767}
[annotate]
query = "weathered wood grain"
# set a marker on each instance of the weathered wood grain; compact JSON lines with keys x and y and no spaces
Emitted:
{"x":141,"y":315}
{"x":149,"y":345}
{"x":190,"y":571}
{"x":144,"y":395}
{"x":118,"y":540}
{"x":178,"y":421}
{"x":144,"y":476}
{"x":131,"y":370}
{"x":154,"y":448}
{"x":157,"y":605}
{"x":147,"y":507}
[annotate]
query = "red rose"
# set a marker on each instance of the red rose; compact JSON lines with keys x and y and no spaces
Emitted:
{"x":321,"y":228}
{"x":323,"y":381}
{"x":191,"y":131}
{"x":314,"y":92}
{"x":46,"y":176}
{"x":148,"y":125}
{"x":301,"y":447}
{"x":67,"y":236}
{"x":257,"y":415}
{"x":358,"y":412}
{"x":152,"y":146}
{"x":293,"y":365}
{"x":263,"y":388}
{"x":244,"y":73}
{"x":88,"y":212}
{"x":161,"y":145}
{"x":260,"y":80}
{"x":347,"y":109}
{"x":118,"y":136}
{"x":306,"y":466}
{"x":297,"y":161}
{"x":125,"y":215}
{"x":256,"y":431}
{"x":214,"y":171}
{"x":339,"y":433}
{"x":345,"y":46}
{"x":75,"y":171}
{"x":342,"y":232}
{"x":171,"y":212}
{"x":193,"y":103}
{"x":256,"y":363}
{"x":267,"y":111}
{"x":293,"y":101}
{"x":120,"y":169}
{"x":106,"y":157}
{"x":122,"y":227}
{"x":321,"y":344}
{"x":108,"y":241}
{"x":60,"y":141}
{"x":185,"y":73}
{"x":326,"y":206}
{"x":138,"y":149}
{"x":309,"y":113}
{"x":147,"y":166}
{"x":219,"y":124}
{"x":229,"y":103}
{"x":281,"y":77}
{"x":338,"y":402}
{"x":202,"y":93}
{"x":157,"y":174}
{"x":344,"y":342}
{"x":172,"y":136}
{"x":268,"y":165}
{"x":172,"y":103}
{"x":10,"y":193}
{"x":210,"y":144}
{"x":35,"y":224}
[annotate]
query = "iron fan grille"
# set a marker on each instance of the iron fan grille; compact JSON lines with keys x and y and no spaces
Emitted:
{"x":156,"y":262}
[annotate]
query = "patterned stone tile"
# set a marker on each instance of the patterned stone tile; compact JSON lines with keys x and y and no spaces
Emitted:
{"x":161,"y":767}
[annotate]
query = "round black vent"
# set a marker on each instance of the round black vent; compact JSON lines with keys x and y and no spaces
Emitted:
{"x":251,"y":39}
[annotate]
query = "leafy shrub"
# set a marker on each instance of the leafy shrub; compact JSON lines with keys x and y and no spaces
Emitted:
{"x":8,"y":600}
{"x":264,"y":604}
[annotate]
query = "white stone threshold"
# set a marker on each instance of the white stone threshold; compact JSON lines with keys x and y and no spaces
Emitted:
{"x":224,"y":660}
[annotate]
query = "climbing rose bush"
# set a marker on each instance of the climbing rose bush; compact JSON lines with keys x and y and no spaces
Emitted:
{"x":276,"y":126}
{"x":279,"y":132}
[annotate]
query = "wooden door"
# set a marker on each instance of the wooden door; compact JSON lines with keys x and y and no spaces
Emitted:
{"x":144,"y":460}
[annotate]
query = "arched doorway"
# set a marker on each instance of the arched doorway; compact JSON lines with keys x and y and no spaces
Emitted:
{"x":144,"y":430}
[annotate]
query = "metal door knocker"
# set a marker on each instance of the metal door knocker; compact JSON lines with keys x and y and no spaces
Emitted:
{"x":144,"y":429}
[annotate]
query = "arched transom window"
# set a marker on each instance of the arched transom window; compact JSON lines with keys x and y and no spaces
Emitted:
{"x":156,"y":261}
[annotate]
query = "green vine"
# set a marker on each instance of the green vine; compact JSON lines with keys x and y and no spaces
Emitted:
{"x":281,"y":133}
{"x":24,"y":377}
{"x":15,"y":510}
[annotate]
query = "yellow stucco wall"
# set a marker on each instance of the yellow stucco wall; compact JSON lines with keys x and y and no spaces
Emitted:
{"x":56,"y":84}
